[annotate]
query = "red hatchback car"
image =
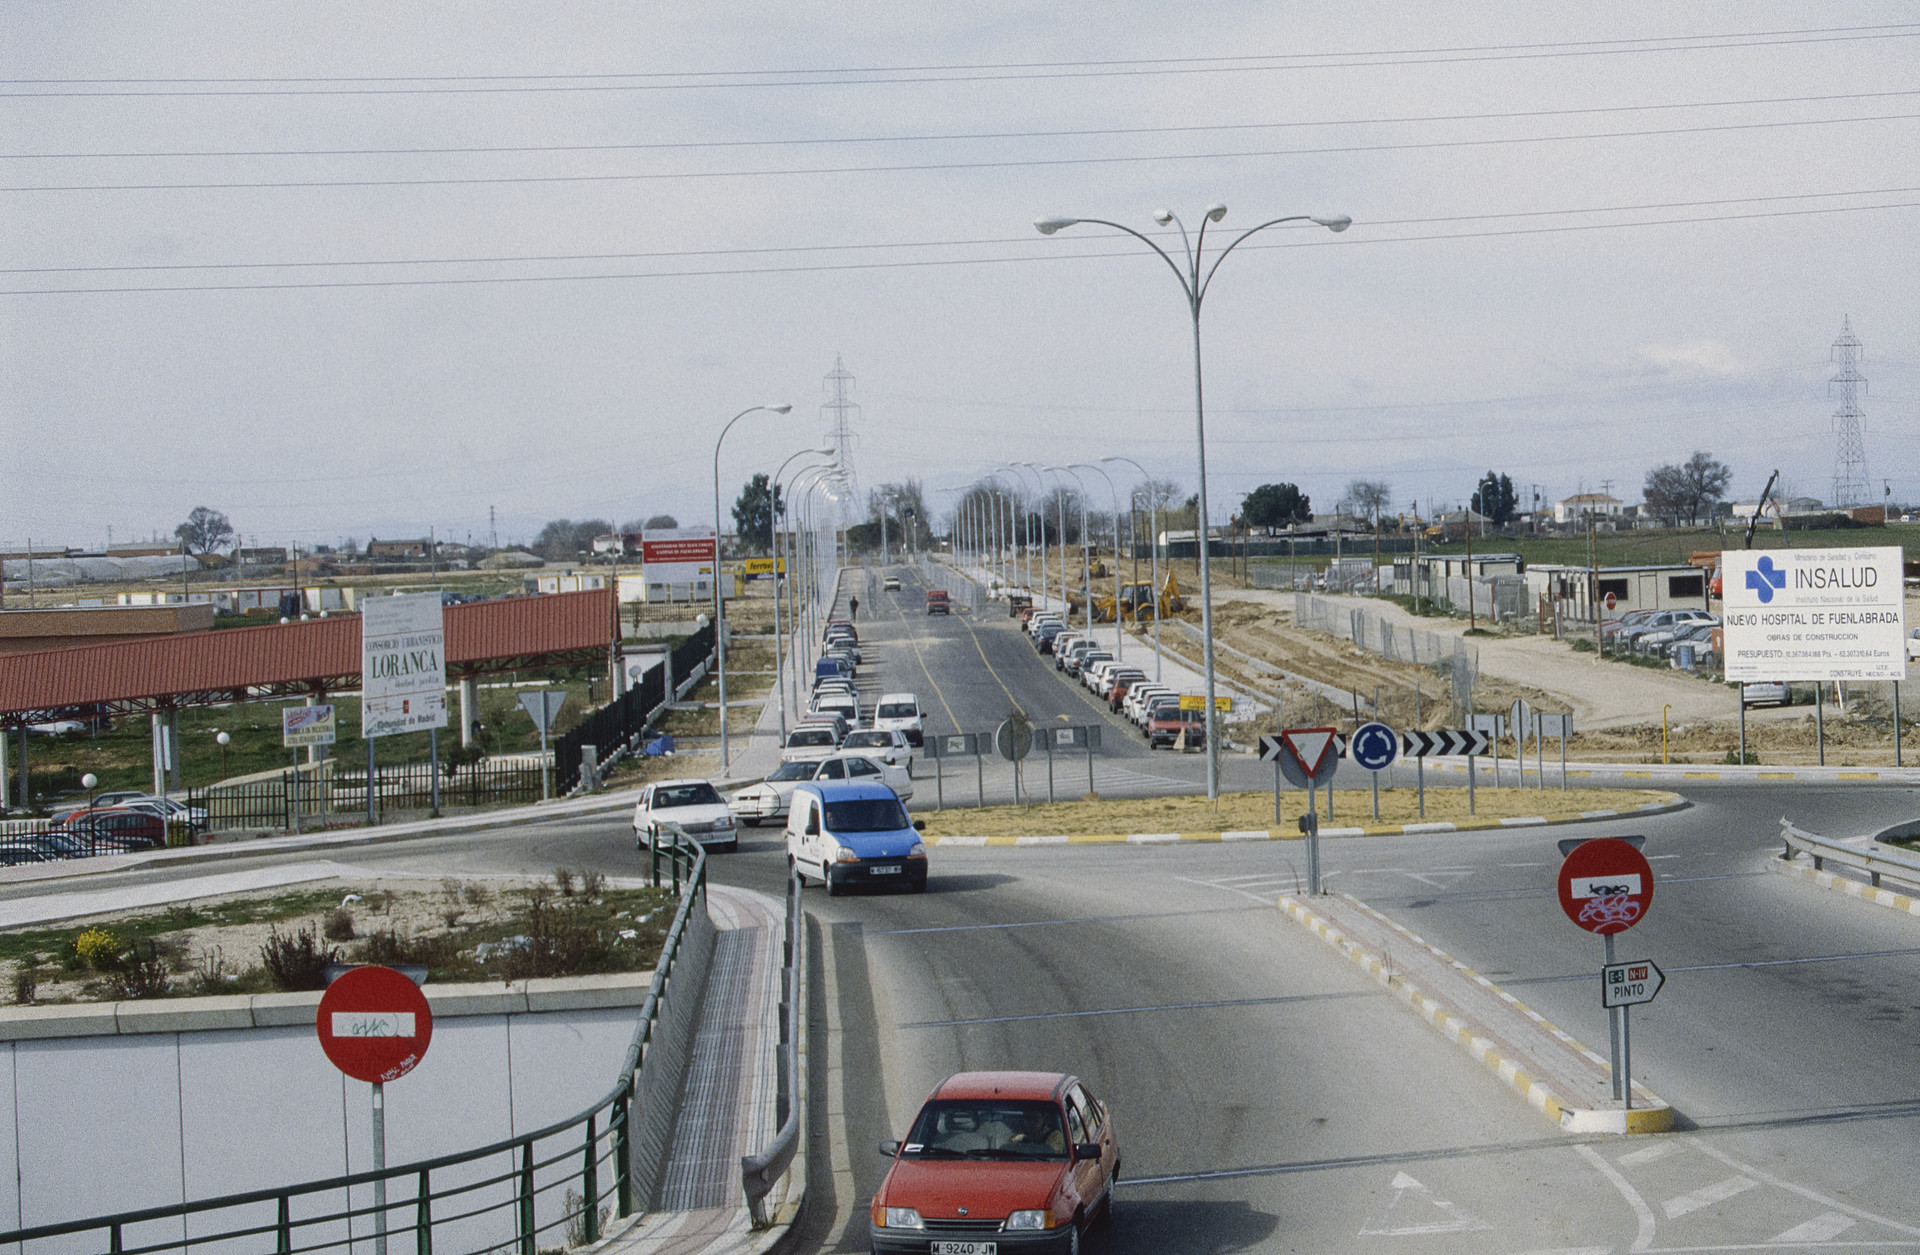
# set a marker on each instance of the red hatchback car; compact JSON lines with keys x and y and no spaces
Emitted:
{"x":998,"y":1163}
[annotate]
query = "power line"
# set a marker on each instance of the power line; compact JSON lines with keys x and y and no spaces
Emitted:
{"x":664,"y":254}
{"x":1350,"y":241}
{"x":958,"y":137}
{"x":987,"y":72}
{"x":682,"y":176}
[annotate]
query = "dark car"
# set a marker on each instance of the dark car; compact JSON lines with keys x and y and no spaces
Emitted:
{"x":999,"y":1162}
{"x":14,"y":852}
{"x":938,"y":603}
{"x":139,"y":830}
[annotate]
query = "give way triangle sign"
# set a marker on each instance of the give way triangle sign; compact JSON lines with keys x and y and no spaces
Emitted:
{"x":1309,"y":746}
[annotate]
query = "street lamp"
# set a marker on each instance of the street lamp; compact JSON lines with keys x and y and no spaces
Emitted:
{"x":1119,"y":651}
{"x":773,"y":548}
{"x":1086,"y":560}
{"x":223,"y":740}
{"x":1195,"y":284}
{"x":719,"y":598}
{"x":1153,"y":549}
{"x":799,"y":610}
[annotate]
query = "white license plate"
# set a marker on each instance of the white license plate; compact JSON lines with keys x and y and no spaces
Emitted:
{"x":895,"y":871}
{"x":966,"y":1248}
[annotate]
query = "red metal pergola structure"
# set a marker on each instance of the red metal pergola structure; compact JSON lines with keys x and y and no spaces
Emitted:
{"x":315,"y":656}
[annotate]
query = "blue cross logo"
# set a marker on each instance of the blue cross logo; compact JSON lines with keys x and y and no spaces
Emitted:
{"x":1765,"y":579}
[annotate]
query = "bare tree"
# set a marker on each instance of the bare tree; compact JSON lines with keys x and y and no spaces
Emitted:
{"x":205,"y":531}
{"x":1370,"y":497}
{"x":1688,"y":491}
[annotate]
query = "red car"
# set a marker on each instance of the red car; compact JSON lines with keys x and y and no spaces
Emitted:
{"x":116,"y":826}
{"x":998,"y":1163}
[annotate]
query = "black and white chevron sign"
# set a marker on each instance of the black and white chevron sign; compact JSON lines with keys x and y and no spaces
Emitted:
{"x":1445,"y":741}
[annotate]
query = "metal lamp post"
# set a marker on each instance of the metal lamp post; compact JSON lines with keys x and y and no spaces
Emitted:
{"x":719,"y":597}
{"x":1119,"y":651}
{"x":773,"y":548}
{"x":1194,"y":284}
{"x":1086,"y":557}
{"x":1153,"y":528}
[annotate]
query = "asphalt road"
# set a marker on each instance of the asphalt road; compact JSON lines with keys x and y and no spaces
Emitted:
{"x":1268,"y":1097}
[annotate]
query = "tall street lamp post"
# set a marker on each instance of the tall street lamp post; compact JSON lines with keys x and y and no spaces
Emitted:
{"x":1153,"y":536}
{"x":1119,"y":650}
{"x":773,"y":548}
{"x":1086,"y":557}
{"x":1195,"y":285}
{"x":719,"y":597}
{"x":1040,"y":512}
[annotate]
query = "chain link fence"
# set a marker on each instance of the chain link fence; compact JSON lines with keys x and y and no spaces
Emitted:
{"x":1449,"y":656}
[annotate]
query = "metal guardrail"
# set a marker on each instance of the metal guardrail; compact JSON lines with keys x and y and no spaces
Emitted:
{"x":759,"y":1173}
{"x":496,"y":1207}
{"x":1820,"y":849}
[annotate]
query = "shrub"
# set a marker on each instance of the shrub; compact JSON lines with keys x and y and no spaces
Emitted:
{"x":389,"y":948}
{"x":563,"y":881}
{"x":97,"y":948}
{"x":339,"y":925}
{"x":592,"y":883}
{"x":26,"y":985}
{"x":557,"y":943}
{"x":296,"y":961}
{"x":143,"y":973}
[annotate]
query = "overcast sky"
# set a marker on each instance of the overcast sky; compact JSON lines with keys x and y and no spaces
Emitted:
{"x":348,"y":269}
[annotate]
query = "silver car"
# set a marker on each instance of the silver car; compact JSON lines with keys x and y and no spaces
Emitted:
{"x":693,"y":806}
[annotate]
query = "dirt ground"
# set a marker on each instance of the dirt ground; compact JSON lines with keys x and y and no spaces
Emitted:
{"x":1244,"y":811}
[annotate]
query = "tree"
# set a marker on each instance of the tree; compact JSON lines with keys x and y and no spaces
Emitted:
{"x":1495,"y":498}
{"x":1370,"y":497}
{"x":563,"y":540}
{"x":205,"y":531}
{"x":1275,"y":505}
{"x":661,"y":523}
{"x":753,"y":514}
{"x":1688,"y":491}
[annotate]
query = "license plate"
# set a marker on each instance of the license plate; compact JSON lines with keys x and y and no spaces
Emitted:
{"x":965,"y":1248}
{"x":894,"y":870}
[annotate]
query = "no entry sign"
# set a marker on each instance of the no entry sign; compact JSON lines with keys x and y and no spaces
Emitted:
{"x":374,"y":1024}
{"x":1605,"y":886}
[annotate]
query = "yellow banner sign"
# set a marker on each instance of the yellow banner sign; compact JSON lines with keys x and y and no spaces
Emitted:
{"x":1199,"y":702}
{"x":761,"y":566}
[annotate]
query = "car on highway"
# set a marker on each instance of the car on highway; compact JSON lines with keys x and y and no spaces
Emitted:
{"x":1175,"y":729}
{"x":900,"y":712}
{"x":998,"y":1162}
{"x":938,"y":602}
{"x":859,"y":765}
{"x":756,"y":804}
{"x":846,"y":833}
{"x":810,"y":742}
{"x":694,"y":805}
{"x":889,"y":745}
{"x":890,"y":584}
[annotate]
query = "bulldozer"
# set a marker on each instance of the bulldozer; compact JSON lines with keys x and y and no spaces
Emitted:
{"x":1139,"y":604}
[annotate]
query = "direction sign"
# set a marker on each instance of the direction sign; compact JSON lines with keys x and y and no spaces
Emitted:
{"x":1631,"y":983}
{"x":1374,"y":747}
{"x":1444,"y":741}
{"x":1491,"y":725}
{"x":1606,"y":886}
{"x":1078,"y":737}
{"x":543,"y":706}
{"x":374,"y":1024}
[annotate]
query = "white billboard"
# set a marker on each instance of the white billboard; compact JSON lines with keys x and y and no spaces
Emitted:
{"x":1814,"y":614}
{"x":678,"y":556}
{"x":403,"y":664}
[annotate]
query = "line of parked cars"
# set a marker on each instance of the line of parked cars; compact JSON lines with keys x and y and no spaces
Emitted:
{"x":1661,"y":633}
{"x":114,"y":823}
{"x":1151,"y":707}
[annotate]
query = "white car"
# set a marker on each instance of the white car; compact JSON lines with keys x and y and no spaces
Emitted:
{"x":855,"y":765}
{"x":809,"y":743}
{"x":846,"y":705}
{"x":768,"y":800}
{"x":900,"y":712}
{"x":890,"y":584}
{"x":1913,"y":644}
{"x":889,"y":745}
{"x":695,"y":806}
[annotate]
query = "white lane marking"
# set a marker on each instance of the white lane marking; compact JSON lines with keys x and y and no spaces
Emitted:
{"x":1573,"y":1250}
{"x":1706,"y":1196}
{"x":1453,"y":1219}
{"x":1152,"y":838}
{"x":1812,"y":1195}
{"x":1634,"y":1158}
{"x":1641,"y":1211}
{"x":1819,"y":1229}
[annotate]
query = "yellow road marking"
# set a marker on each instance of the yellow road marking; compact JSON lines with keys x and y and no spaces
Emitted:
{"x":979,"y":649}
{"x":921,"y":659}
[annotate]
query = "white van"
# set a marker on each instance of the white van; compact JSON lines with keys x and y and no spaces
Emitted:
{"x":900,"y":712}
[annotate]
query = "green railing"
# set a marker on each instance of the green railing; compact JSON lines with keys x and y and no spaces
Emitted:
{"x":577,"y":1173}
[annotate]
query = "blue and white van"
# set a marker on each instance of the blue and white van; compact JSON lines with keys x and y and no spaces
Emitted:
{"x":845,"y":833}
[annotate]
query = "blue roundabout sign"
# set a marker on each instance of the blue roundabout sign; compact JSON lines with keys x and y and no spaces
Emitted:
{"x":1374,"y":747}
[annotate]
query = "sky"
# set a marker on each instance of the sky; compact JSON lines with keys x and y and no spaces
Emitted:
{"x":353,"y":269}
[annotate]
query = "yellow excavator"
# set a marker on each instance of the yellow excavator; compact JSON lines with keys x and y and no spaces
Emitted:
{"x":1136,"y":603}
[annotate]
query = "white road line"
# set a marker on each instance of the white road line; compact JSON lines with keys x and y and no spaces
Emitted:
{"x":1819,"y":1229}
{"x":1706,"y":1196}
{"x":1644,"y":1213}
{"x":1813,"y":1195}
{"x":1452,"y":1219}
{"x":1634,"y":1158}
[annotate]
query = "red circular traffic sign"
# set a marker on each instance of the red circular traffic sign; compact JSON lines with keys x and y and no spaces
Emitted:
{"x":1606,"y":886}
{"x":374,"y":1024}
{"x":1612,"y":601}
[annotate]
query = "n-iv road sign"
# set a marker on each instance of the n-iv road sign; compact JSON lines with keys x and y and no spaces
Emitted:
{"x":1631,"y":983}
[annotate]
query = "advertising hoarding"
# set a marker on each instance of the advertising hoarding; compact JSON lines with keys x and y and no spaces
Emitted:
{"x":680,"y":555}
{"x":1814,"y":614}
{"x":403,"y":664}
{"x":306,"y":725}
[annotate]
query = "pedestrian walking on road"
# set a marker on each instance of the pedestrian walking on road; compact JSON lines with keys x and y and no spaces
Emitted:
{"x":853,"y":607}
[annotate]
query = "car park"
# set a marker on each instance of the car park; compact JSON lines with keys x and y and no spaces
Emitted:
{"x":998,"y":1162}
{"x":846,"y":833}
{"x":810,"y":742}
{"x":890,"y":584}
{"x":1655,"y":640}
{"x":901,"y":712}
{"x":853,"y":765}
{"x":138,"y":829}
{"x":756,"y":804}
{"x":889,"y":745}
{"x":694,"y":806}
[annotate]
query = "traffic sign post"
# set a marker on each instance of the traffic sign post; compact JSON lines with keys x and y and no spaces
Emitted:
{"x":543,"y":707}
{"x":1307,"y":757}
{"x":1560,"y":726}
{"x":375,"y":1025}
{"x":1374,"y":747}
{"x":1080,"y":736}
{"x":1606,"y":886}
{"x":1418,"y":745}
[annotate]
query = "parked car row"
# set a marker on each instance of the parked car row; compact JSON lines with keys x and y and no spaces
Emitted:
{"x":1151,"y":707}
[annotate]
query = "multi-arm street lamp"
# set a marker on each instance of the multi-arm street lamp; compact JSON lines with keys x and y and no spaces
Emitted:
{"x":1195,"y":285}
{"x":1153,"y":535}
{"x":719,"y":597}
